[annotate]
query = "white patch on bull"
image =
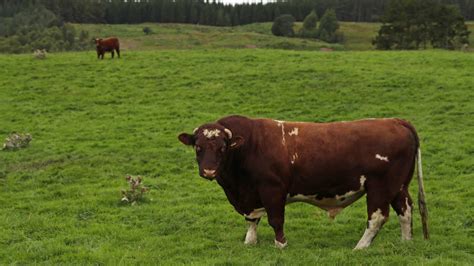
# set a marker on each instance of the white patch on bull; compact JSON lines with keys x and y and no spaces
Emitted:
{"x":405,"y":222}
{"x":362,"y":181}
{"x":380,"y":157}
{"x":280,"y":245}
{"x":210,"y":133}
{"x":294,"y":157}
{"x":375,"y":223}
{"x":332,"y":205}
{"x":328,"y":203}
{"x":293,"y":132}
{"x":255,"y":214}
{"x":282,"y":125}
{"x":251,"y":236}
{"x":209,"y":173}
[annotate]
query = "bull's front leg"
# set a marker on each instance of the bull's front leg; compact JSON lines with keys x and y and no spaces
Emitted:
{"x":273,"y":200}
{"x":251,"y":235}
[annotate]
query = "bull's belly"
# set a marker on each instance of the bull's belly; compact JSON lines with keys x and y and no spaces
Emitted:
{"x":332,"y":205}
{"x":328,"y":204}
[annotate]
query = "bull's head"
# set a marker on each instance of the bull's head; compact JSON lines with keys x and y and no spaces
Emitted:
{"x":97,"y":42}
{"x":213,"y":144}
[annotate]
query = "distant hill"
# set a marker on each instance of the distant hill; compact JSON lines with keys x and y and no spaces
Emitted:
{"x":358,"y":36}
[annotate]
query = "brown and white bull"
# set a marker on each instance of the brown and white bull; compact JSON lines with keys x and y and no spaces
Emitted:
{"x":107,"y":45}
{"x":264,"y":164}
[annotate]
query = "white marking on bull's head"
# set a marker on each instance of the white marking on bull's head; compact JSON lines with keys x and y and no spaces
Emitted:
{"x":293,"y":132}
{"x":210,"y":133}
{"x":380,"y":157}
{"x":209,"y":173}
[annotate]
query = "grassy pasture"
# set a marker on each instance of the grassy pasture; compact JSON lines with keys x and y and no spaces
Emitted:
{"x":186,"y":36}
{"x":95,"y":121}
{"x":358,"y":36}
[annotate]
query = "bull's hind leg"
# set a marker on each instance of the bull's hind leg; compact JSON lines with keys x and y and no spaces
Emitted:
{"x":378,"y":206}
{"x":118,"y":52}
{"x":402,"y":204}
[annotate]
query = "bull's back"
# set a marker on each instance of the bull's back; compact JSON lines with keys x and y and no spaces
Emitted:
{"x":339,"y":149}
{"x":111,"y":42}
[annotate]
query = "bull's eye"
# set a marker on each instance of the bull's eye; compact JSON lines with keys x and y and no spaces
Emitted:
{"x":198,"y":148}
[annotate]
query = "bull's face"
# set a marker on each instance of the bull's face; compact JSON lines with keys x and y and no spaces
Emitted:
{"x":97,"y":42}
{"x":213,"y":143}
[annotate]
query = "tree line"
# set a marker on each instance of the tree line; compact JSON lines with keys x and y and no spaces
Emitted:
{"x":38,"y":28}
{"x":420,"y":24}
{"x":207,"y":12}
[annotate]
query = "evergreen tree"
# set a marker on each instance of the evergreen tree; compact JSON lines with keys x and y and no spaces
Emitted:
{"x":283,"y":26}
{"x":309,"y":29}
{"x":328,"y":26}
{"x":411,"y":24}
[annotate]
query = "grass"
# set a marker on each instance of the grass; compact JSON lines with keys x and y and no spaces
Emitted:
{"x":187,"y":36}
{"x":358,"y":36}
{"x":93,"y":122}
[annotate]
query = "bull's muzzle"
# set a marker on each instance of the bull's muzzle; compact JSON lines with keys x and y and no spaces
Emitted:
{"x":209,"y":174}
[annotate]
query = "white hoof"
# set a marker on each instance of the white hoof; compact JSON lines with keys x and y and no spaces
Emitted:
{"x":280,"y":245}
{"x":250,"y":240}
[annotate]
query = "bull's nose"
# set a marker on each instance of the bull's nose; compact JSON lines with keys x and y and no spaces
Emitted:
{"x":209,"y":173}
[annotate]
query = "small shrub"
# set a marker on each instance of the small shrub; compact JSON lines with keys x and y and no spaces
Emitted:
{"x":40,"y":54}
{"x":16,"y":141}
{"x":283,"y":26}
{"x":136,"y":191}
{"x":147,"y":30}
{"x":328,"y":26}
{"x":310,"y":21}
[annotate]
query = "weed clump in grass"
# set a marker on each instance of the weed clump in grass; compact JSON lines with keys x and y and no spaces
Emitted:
{"x":16,"y":141}
{"x":136,"y":191}
{"x":40,"y":54}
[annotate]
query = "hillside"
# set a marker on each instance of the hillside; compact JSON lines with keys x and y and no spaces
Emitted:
{"x":358,"y":36}
{"x":93,"y":122}
{"x":187,"y":36}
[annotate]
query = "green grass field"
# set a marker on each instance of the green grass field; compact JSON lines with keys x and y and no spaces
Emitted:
{"x":95,"y":121}
{"x":186,"y":36}
{"x":358,"y":36}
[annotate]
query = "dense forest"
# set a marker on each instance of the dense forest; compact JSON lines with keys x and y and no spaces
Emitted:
{"x":208,"y":12}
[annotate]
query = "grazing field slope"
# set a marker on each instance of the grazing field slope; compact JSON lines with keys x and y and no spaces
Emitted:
{"x":357,"y":35}
{"x":188,"y":36}
{"x":95,"y":121}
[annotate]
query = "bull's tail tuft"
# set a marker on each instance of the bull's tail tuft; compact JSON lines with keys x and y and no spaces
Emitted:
{"x":421,"y":197}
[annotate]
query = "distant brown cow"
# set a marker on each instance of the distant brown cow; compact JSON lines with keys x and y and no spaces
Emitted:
{"x":107,"y":45}
{"x":263,"y":164}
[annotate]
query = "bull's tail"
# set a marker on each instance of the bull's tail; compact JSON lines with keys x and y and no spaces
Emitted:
{"x":421,"y":197}
{"x":419,"y":171}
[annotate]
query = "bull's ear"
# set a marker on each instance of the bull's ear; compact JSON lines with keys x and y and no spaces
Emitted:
{"x":236,"y":142}
{"x":186,"y":139}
